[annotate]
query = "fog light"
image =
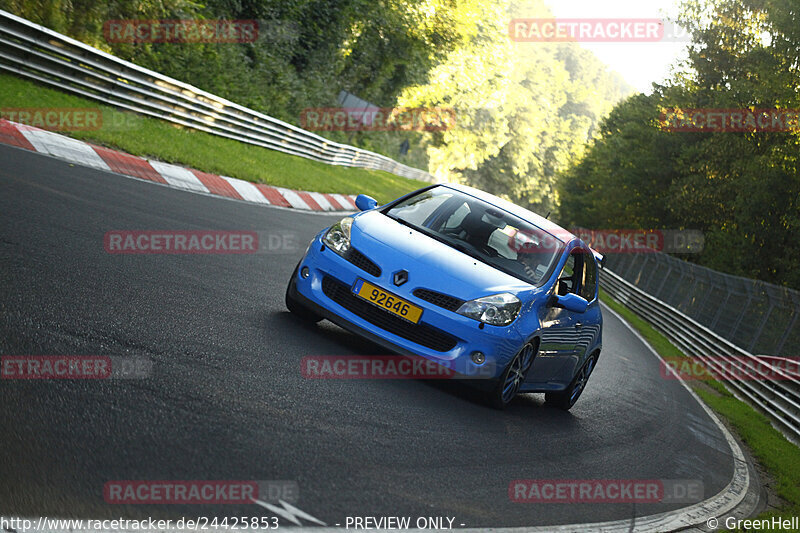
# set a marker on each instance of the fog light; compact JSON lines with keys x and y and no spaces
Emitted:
{"x":478,"y":358}
{"x":304,"y":272}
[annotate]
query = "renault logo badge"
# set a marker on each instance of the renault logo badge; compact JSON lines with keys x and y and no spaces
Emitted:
{"x":400,"y":277}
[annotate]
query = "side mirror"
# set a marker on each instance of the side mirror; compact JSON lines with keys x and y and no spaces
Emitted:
{"x":365,"y":202}
{"x":572,"y":302}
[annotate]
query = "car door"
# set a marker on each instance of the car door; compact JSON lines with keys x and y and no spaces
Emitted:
{"x":588,"y":324}
{"x":559,"y":339}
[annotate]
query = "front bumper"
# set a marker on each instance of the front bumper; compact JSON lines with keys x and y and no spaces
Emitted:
{"x":442,"y":335}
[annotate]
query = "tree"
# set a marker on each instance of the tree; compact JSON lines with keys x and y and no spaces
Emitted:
{"x":524,"y":110}
{"x":742,"y":189}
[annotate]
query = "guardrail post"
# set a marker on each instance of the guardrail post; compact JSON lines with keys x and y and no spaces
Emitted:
{"x":719,"y":311}
{"x":786,"y":333}
{"x":744,"y":311}
{"x":760,"y":328}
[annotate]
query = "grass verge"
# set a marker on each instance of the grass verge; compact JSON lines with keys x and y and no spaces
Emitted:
{"x":773,"y":451}
{"x":158,"y":139}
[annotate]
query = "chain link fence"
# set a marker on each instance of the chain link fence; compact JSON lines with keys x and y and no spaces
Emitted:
{"x":758,"y":317}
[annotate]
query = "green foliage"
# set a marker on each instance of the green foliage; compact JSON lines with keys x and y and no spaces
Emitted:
{"x":523,"y":110}
{"x":307,"y":50}
{"x":742,"y":189}
{"x":615,"y":183}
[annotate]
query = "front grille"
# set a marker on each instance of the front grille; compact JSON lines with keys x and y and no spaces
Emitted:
{"x":422,"y":334}
{"x":451,"y":303}
{"x":363,"y":262}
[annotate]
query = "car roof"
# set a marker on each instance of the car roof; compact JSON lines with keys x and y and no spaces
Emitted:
{"x":550,"y":227}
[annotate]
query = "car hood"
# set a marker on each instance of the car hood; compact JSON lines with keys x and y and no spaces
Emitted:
{"x":431,"y":264}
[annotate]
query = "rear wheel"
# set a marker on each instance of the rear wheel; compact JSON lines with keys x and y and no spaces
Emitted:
{"x":295,"y":307}
{"x":567,"y":398}
{"x":513,"y":377}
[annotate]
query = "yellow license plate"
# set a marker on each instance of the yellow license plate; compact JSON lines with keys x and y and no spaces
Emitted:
{"x":388,"y":301}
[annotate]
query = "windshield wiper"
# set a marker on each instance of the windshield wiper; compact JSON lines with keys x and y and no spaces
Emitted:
{"x":407,"y":223}
{"x":465,"y":250}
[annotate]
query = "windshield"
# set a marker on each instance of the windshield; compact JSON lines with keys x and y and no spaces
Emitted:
{"x":482,"y":231}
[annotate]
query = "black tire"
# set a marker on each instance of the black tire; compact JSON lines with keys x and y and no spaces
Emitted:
{"x":295,"y":307}
{"x":513,"y":377}
{"x":567,"y":398}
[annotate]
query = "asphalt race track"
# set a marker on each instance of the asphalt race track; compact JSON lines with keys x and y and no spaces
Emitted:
{"x":226,"y":399}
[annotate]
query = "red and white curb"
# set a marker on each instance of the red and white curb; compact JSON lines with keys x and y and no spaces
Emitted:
{"x":86,"y":154}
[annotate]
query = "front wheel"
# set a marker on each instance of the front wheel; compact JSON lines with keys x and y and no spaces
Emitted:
{"x":566,"y":399}
{"x":513,"y":377}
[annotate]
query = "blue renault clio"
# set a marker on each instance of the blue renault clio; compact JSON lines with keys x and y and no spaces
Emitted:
{"x":466,"y":279}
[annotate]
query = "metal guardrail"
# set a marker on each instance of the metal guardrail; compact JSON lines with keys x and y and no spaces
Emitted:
{"x":38,"y":53}
{"x":774,"y":392}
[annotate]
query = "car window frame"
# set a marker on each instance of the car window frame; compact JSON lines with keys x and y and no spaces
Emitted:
{"x":578,"y":267}
{"x":588,"y":253}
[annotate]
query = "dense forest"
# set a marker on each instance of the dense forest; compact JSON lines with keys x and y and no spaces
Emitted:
{"x":741,"y":188}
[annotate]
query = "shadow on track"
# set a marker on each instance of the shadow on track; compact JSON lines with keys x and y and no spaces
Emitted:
{"x":529,"y":406}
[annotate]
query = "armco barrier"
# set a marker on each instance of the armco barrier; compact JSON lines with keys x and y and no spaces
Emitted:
{"x":37,"y":53}
{"x":779,"y":398}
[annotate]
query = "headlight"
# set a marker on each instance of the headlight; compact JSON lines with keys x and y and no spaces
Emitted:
{"x":338,"y":237}
{"x":497,"y":310}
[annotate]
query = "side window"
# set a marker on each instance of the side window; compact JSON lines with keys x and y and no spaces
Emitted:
{"x":572,"y":274}
{"x":589,"y":284}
